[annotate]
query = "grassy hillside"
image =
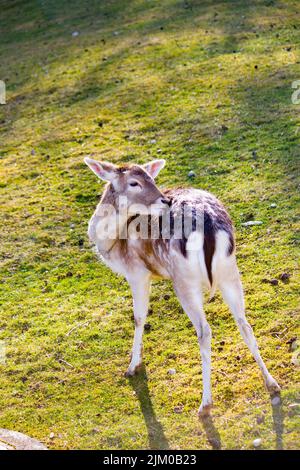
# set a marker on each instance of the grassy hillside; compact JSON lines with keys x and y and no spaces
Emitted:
{"x":206,"y":85}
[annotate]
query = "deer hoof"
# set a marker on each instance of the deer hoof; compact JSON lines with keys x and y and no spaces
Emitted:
{"x":204,"y":410}
{"x":131,"y":371}
{"x":272,"y":386}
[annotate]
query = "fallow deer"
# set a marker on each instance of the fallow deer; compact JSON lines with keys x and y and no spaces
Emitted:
{"x":201,"y":258}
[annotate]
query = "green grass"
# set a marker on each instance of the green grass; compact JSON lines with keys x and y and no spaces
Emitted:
{"x":145,"y":79}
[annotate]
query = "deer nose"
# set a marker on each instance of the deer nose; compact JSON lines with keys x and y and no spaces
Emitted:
{"x":165,"y":201}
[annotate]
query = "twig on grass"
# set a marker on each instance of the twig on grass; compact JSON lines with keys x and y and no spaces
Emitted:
{"x":77,"y":326}
{"x":65,"y":362}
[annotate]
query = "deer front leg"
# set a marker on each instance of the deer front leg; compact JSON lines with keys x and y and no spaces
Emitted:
{"x":140,"y":286}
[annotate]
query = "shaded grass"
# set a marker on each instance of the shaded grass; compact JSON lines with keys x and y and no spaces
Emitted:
{"x":206,"y":85}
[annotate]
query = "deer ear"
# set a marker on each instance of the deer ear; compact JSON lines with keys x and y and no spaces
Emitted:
{"x":105,"y":171}
{"x":154,"y":167}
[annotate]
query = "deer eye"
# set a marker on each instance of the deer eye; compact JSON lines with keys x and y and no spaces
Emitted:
{"x":134,"y":183}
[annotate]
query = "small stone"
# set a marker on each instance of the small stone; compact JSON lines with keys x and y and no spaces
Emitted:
{"x":75,"y":34}
{"x":72,"y":226}
{"x":172,"y":371}
{"x":51,"y":435}
{"x":13,"y":440}
{"x":274,"y":282}
{"x":293,"y":346}
{"x":291,"y":340}
{"x":153,"y":141}
{"x":191,"y":174}
{"x":147,"y":327}
{"x":276,"y":400}
{"x":273,"y":205}
{"x":32,"y":152}
{"x":257,"y":443}
{"x":295,"y":359}
{"x":294,"y":405}
{"x":251,"y":223}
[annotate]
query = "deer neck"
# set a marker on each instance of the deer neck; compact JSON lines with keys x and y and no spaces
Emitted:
{"x":108,"y":222}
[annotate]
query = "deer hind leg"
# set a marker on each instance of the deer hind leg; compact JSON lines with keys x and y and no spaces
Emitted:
{"x":140,"y":286}
{"x":190,"y":296}
{"x":232,"y":293}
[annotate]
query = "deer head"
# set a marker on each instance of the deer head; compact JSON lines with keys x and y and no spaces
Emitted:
{"x":135,"y":183}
